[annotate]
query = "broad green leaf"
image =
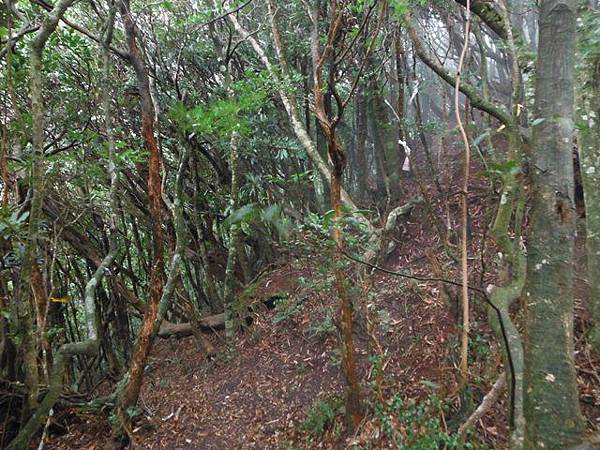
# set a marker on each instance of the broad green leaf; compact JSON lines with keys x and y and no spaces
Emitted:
{"x":538,"y":121}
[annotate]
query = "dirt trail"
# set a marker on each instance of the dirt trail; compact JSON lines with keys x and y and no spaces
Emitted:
{"x":259,"y":399}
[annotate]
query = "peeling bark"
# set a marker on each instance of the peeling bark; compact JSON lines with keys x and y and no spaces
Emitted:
{"x":130,"y":389}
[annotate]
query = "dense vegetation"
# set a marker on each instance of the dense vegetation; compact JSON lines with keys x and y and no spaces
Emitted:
{"x":262,"y":171}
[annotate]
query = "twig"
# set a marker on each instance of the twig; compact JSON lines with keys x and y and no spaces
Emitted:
{"x":487,"y":402}
{"x":464,"y":348}
{"x":414,"y":277}
{"x":222,"y":16}
{"x":45,"y":432}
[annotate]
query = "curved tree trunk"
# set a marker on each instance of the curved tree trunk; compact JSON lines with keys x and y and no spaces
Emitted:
{"x":354,"y":409}
{"x":130,"y":390}
{"x":90,"y":345}
{"x":25,"y":318}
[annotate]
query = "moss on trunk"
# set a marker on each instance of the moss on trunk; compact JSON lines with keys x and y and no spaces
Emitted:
{"x":551,"y":403}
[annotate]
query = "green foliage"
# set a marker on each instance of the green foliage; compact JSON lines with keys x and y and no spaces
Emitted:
{"x":323,"y":327}
{"x":11,"y":222}
{"x":54,"y":331}
{"x":246,"y":213}
{"x":254,"y":214}
{"x":400,"y":8}
{"x":132,"y":413}
{"x":357,"y":6}
{"x":510,"y":167}
{"x":479,"y":348}
{"x":221,"y":117}
{"x":416,"y":426}
{"x":588,"y":28}
{"x":479,"y":139}
{"x":167,"y":5}
{"x":128,"y":155}
{"x":13,"y":330}
{"x":324,"y":223}
{"x":286,"y":308}
{"x":322,"y":415}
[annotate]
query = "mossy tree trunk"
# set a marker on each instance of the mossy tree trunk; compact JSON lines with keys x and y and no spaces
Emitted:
{"x":25,"y":307}
{"x":231,"y":303}
{"x":236,"y":245}
{"x":551,"y":404}
{"x":89,"y":346}
{"x":513,"y":263}
{"x":290,"y":105}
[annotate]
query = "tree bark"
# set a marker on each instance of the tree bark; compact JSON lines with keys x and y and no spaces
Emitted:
{"x":129,"y":394}
{"x":588,"y":120}
{"x":90,"y":345}
{"x":291,"y":108}
{"x":354,"y":409}
{"x":552,"y":411}
{"x":360,"y":135}
{"x":25,"y":320}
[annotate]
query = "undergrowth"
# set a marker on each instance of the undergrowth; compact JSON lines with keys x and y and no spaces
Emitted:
{"x":323,"y":415}
{"x":415,"y":425}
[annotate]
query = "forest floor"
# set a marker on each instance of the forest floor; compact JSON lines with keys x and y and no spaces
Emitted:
{"x":280,"y":390}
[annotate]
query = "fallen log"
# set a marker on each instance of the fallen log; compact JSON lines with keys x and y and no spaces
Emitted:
{"x":206,"y":324}
{"x":252,"y":296}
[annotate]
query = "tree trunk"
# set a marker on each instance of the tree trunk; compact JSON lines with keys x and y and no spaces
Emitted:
{"x":131,"y":389}
{"x":362,"y":168}
{"x":90,"y":345}
{"x":231,"y":303}
{"x":401,"y":80}
{"x":551,"y":404}
{"x":25,"y":321}
{"x":291,"y":108}
{"x":588,"y":120}
{"x":337,"y":157}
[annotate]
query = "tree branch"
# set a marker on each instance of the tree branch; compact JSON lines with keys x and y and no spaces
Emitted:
{"x":477,"y":100}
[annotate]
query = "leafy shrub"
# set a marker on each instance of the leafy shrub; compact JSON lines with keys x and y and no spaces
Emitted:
{"x":417,"y":426}
{"x":323,"y":327}
{"x":287,"y":307}
{"x":322,"y":415}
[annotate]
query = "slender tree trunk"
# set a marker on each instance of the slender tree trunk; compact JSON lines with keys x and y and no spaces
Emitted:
{"x":464,"y":341}
{"x":362,"y":168}
{"x":130,"y":391}
{"x":337,"y":157}
{"x":177,"y":211}
{"x":383,"y":168}
{"x":513,"y":264}
{"x":290,"y":106}
{"x":552,"y":412}
{"x":25,"y":320}
{"x":401,"y":80}
{"x":231,"y":304}
{"x":90,"y":345}
{"x":234,"y":255}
